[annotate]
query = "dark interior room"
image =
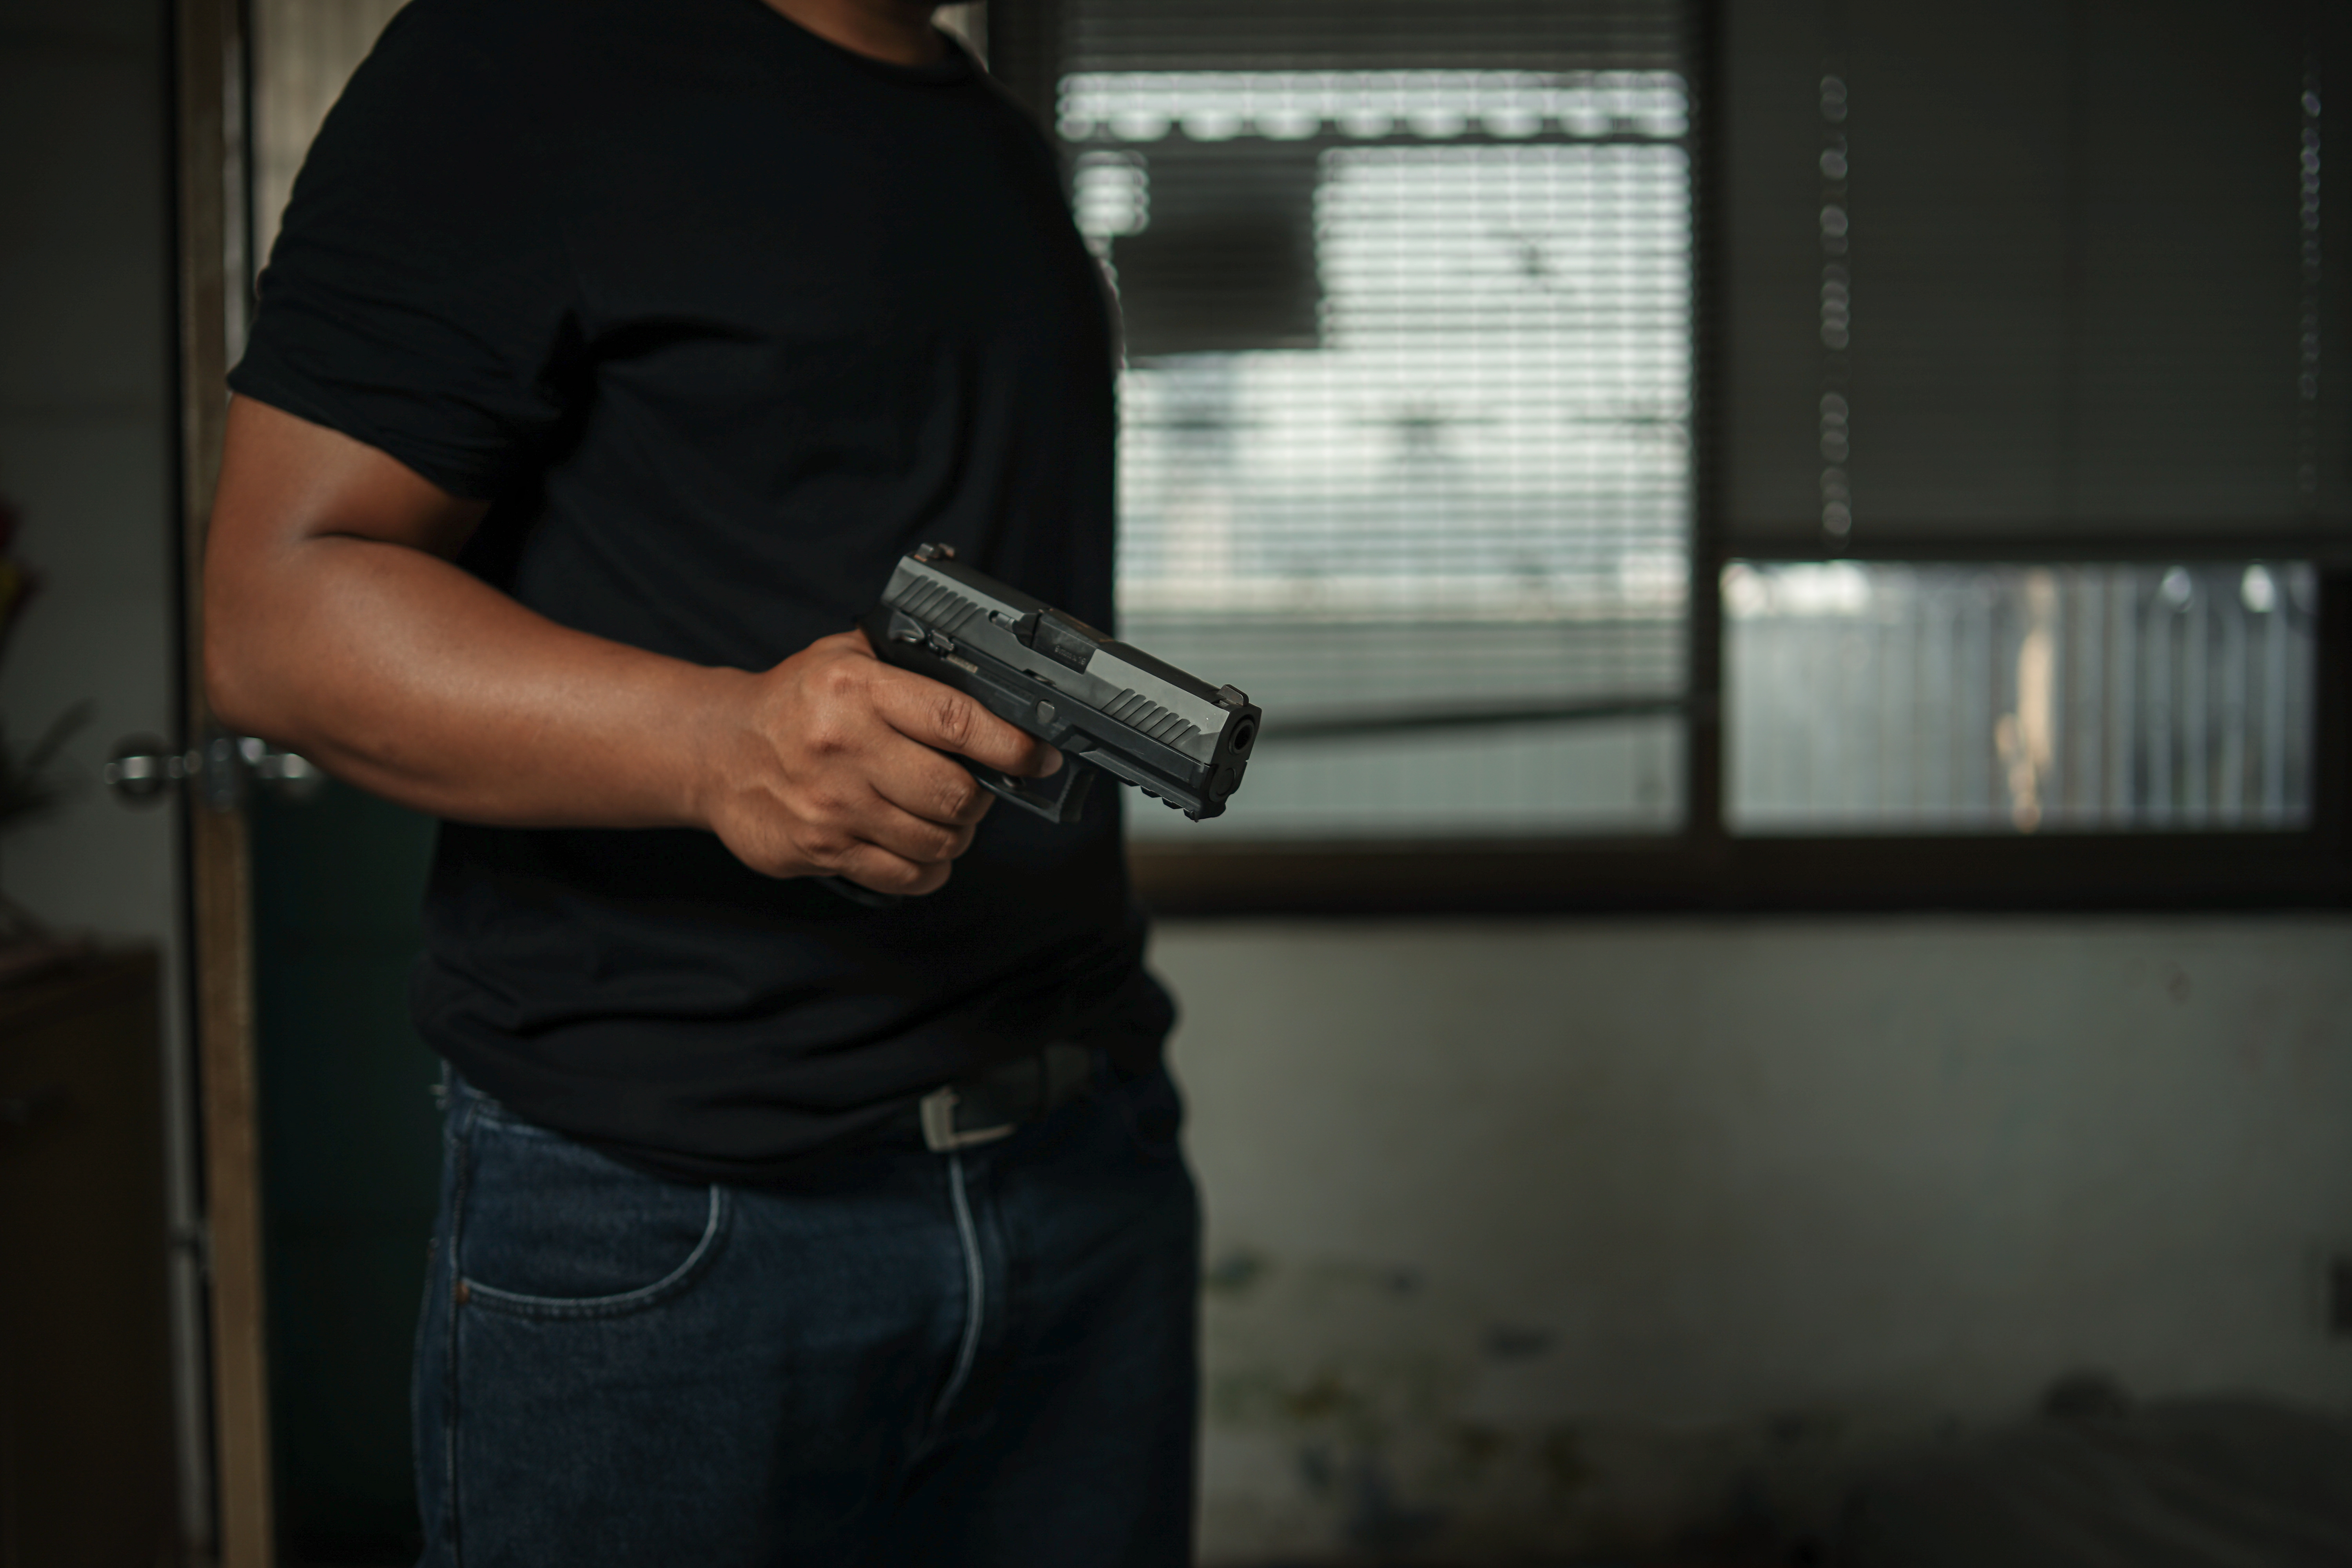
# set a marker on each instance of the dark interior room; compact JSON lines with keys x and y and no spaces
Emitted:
{"x":1779,"y":991}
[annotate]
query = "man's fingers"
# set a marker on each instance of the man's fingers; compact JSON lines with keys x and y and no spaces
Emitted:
{"x":940,"y":716}
{"x":934,"y":787}
{"x":865,"y":781}
{"x":872,"y":867}
{"x":911,"y":837}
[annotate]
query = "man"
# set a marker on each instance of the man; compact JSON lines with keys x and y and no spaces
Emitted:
{"x":611,"y":352}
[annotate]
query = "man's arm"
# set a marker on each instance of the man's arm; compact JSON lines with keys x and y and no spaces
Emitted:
{"x":335,"y":623}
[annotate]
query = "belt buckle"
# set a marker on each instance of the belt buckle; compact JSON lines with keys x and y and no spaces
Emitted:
{"x":937,"y":1111}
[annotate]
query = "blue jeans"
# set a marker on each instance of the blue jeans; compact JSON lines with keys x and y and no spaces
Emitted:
{"x":907,"y":1359}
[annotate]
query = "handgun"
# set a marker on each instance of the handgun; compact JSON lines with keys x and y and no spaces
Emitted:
{"x":1107,"y":706}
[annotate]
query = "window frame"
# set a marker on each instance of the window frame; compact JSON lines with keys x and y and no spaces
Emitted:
{"x":1702,"y":866}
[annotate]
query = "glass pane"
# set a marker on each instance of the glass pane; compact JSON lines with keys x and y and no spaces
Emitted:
{"x":1405,"y":429}
{"x":1438,"y":771}
{"x":1913,"y":699}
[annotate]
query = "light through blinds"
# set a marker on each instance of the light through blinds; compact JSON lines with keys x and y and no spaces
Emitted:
{"x":1405,"y":434}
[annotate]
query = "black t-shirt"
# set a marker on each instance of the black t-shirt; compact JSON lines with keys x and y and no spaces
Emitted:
{"x":721,"y":319}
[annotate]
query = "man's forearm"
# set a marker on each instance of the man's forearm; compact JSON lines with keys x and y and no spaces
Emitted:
{"x":409,"y":676}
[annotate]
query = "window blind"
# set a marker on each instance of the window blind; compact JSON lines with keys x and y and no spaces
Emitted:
{"x":2014,"y":270}
{"x":1405,"y":424}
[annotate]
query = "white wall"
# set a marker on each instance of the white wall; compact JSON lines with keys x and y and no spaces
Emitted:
{"x":1567,"y":1236}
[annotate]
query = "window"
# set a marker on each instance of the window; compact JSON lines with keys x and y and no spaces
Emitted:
{"x":1759,"y":456}
{"x":2036,"y":440}
{"x":1406,"y":437}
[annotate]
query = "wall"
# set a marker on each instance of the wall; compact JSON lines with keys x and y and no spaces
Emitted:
{"x":87,"y":456}
{"x":1573,"y":1237}
{"x":85,"y":445}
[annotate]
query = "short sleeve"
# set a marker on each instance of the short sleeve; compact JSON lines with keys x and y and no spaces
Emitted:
{"x":419,"y":298}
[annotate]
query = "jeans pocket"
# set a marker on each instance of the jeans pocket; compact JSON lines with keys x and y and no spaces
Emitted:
{"x":549,"y":1227}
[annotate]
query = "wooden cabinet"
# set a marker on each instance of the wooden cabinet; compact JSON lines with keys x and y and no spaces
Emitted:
{"x":85,"y":1472}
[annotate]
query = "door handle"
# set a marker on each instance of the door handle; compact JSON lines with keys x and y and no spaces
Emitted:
{"x":222,"y":771}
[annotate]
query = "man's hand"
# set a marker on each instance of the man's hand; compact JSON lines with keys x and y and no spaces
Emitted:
{"x":839,"y":767}
{"x":336,"y":623}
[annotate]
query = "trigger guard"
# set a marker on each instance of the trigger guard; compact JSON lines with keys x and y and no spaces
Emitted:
{"x":1060,"y":804}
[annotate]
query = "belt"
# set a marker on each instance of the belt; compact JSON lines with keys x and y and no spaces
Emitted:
{"x":997,"y":1102}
